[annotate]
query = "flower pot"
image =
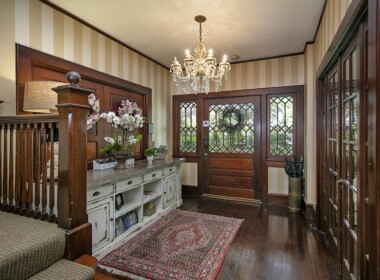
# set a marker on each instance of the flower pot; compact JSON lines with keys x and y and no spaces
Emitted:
{"x":159,"y":156}
{"x":295,"y":196}
{"x":121,"y":158}
{"x":149,"y":159}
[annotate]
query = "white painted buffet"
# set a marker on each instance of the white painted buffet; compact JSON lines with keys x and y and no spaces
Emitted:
{"x":116,"y":199}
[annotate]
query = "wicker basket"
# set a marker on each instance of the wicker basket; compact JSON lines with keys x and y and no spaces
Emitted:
{"x":149,"y":209}
{"x":160,"y":156}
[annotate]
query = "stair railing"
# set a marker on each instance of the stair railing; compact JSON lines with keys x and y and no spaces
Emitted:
{"x":28,"y":183}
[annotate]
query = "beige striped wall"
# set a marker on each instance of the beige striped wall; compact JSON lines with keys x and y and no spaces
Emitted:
{"x":332,"y":17}
{"x":35,"y":25}
{"x":30,"y":23}
{"x":285,"y":71}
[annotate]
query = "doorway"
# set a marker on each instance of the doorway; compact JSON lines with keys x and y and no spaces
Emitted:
{"x":232,"y":140}
{"x":344,"y":193}
{"x":231,"y":144}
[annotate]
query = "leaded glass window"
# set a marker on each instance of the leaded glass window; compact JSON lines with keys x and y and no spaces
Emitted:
{"x":188,"y":127}
{"x":232,"y":128}
{"x":281,"y":125}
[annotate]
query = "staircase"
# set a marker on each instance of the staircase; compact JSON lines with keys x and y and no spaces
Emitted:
{"x":33,"y":249}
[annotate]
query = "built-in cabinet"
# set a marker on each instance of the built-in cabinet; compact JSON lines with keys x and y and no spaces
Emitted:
{"x":116,"y":200}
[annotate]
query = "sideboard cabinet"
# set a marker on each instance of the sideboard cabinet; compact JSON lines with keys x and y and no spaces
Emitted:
{"x":121,"y":203}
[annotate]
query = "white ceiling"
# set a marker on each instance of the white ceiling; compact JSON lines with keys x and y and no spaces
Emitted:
{"x":162,"y":29}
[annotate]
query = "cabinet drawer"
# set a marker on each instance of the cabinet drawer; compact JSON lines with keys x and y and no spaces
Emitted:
{"x":99,"y":192}
{"x":170,"y":169}
{"x":129,"y":183}
{"x":152,"y":175}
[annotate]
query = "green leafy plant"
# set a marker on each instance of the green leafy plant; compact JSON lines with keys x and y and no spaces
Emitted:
{"x":118,"y":147}
{"x":161,"y":149}
{"x":150,"y":152}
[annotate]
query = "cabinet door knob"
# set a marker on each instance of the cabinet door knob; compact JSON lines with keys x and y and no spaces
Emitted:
{"x":130,"y":182}
{"x":111,"y":219}
{"x":170,"y":169}
{"x":96,"y":193}
{"x":154,"y":175}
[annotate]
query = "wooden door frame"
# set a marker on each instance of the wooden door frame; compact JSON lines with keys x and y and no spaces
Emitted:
{"x":263,"y":93}
{"x":347,"y":28}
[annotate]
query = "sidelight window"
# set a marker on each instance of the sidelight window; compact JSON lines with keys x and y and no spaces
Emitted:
{"x":281,"y":125}
{"x":188,"y":127}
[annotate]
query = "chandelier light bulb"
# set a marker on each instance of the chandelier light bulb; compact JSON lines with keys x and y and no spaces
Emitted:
{"x":200,"y":69}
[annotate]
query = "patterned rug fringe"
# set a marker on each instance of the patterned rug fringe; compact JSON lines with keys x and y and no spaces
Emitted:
{"x":121,"y":273}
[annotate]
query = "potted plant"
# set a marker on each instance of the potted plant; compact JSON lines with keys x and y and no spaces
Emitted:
{"x":294,"y":170}
{"x":124,"y":125}
{"x":149,"y":153}
{"x":161,"y":152}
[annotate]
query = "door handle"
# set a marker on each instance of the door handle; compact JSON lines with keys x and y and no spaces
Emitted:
{"x":339,"y":181}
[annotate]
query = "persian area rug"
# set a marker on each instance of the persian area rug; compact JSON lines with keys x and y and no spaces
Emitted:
{"x":181,"y":245}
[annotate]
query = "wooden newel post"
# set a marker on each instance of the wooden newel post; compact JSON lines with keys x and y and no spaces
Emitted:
{"x":72,"y":169}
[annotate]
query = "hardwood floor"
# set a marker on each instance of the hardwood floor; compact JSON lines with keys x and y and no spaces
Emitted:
{"x":271,"y":243}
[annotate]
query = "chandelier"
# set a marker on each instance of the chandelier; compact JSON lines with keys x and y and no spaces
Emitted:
{"x":200,"y":68}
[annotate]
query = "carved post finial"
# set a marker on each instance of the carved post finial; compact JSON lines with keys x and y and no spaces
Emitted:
{"x":73,"y":77}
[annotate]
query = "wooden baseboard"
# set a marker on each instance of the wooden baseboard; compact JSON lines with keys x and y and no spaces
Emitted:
{"x":193,"y":190}
{"x":277,"y":199}
{"x":230,"y":198}
{"x":310,"y":213}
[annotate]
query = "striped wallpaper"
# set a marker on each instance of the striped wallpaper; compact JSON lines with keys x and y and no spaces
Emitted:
{"x":332,"y":17}
{"x":277,"y":72}
{"x":33,"y":24}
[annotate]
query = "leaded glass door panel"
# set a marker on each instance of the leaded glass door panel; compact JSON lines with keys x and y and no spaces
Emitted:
{"x":232,"y":150}
{"x":344,"y":198}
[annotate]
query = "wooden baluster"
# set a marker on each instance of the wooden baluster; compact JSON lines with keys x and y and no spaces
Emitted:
{"x":29,"y":154}
{"x":51,"y":183}
{"x":44,"y":215}
{"x":11,"y":168}
{"x":18,"y":170}
{"x":24,"y":170}
{"x":5,"y":168}
{"x":37,"y":152}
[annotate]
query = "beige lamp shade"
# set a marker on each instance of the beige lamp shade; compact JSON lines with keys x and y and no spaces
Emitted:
{"x":39,"y":96}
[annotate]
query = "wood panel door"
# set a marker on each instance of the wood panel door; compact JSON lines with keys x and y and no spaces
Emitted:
{"x":231,"y":145}
{"x":351,"y":154}
{"x":332,"y":194}
{"x":345,"y":153}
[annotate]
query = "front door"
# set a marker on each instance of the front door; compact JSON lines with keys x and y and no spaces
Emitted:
{"x":231,"y":147}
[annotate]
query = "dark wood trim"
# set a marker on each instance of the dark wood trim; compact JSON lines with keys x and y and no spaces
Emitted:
{"x":31,"y":63}
{"x":41,"y":118}
{"x":278,"y":199}
{"x":298,"y":91}
{"x":34,"y":57}
{"x":373,"y":139}
{"x":345,"y":31}
{"x":190,"y":190}
{"x":310,"y":213}
{"x":268,"y":57}
{"x":317,"y":29}
{"x":74,"y":17}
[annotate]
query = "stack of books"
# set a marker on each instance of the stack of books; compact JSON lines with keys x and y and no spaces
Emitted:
{"x":125,"y":222}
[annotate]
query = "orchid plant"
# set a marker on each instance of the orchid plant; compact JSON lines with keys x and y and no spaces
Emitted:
{"x":93,"y":115}
{"x":128,"y":119}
